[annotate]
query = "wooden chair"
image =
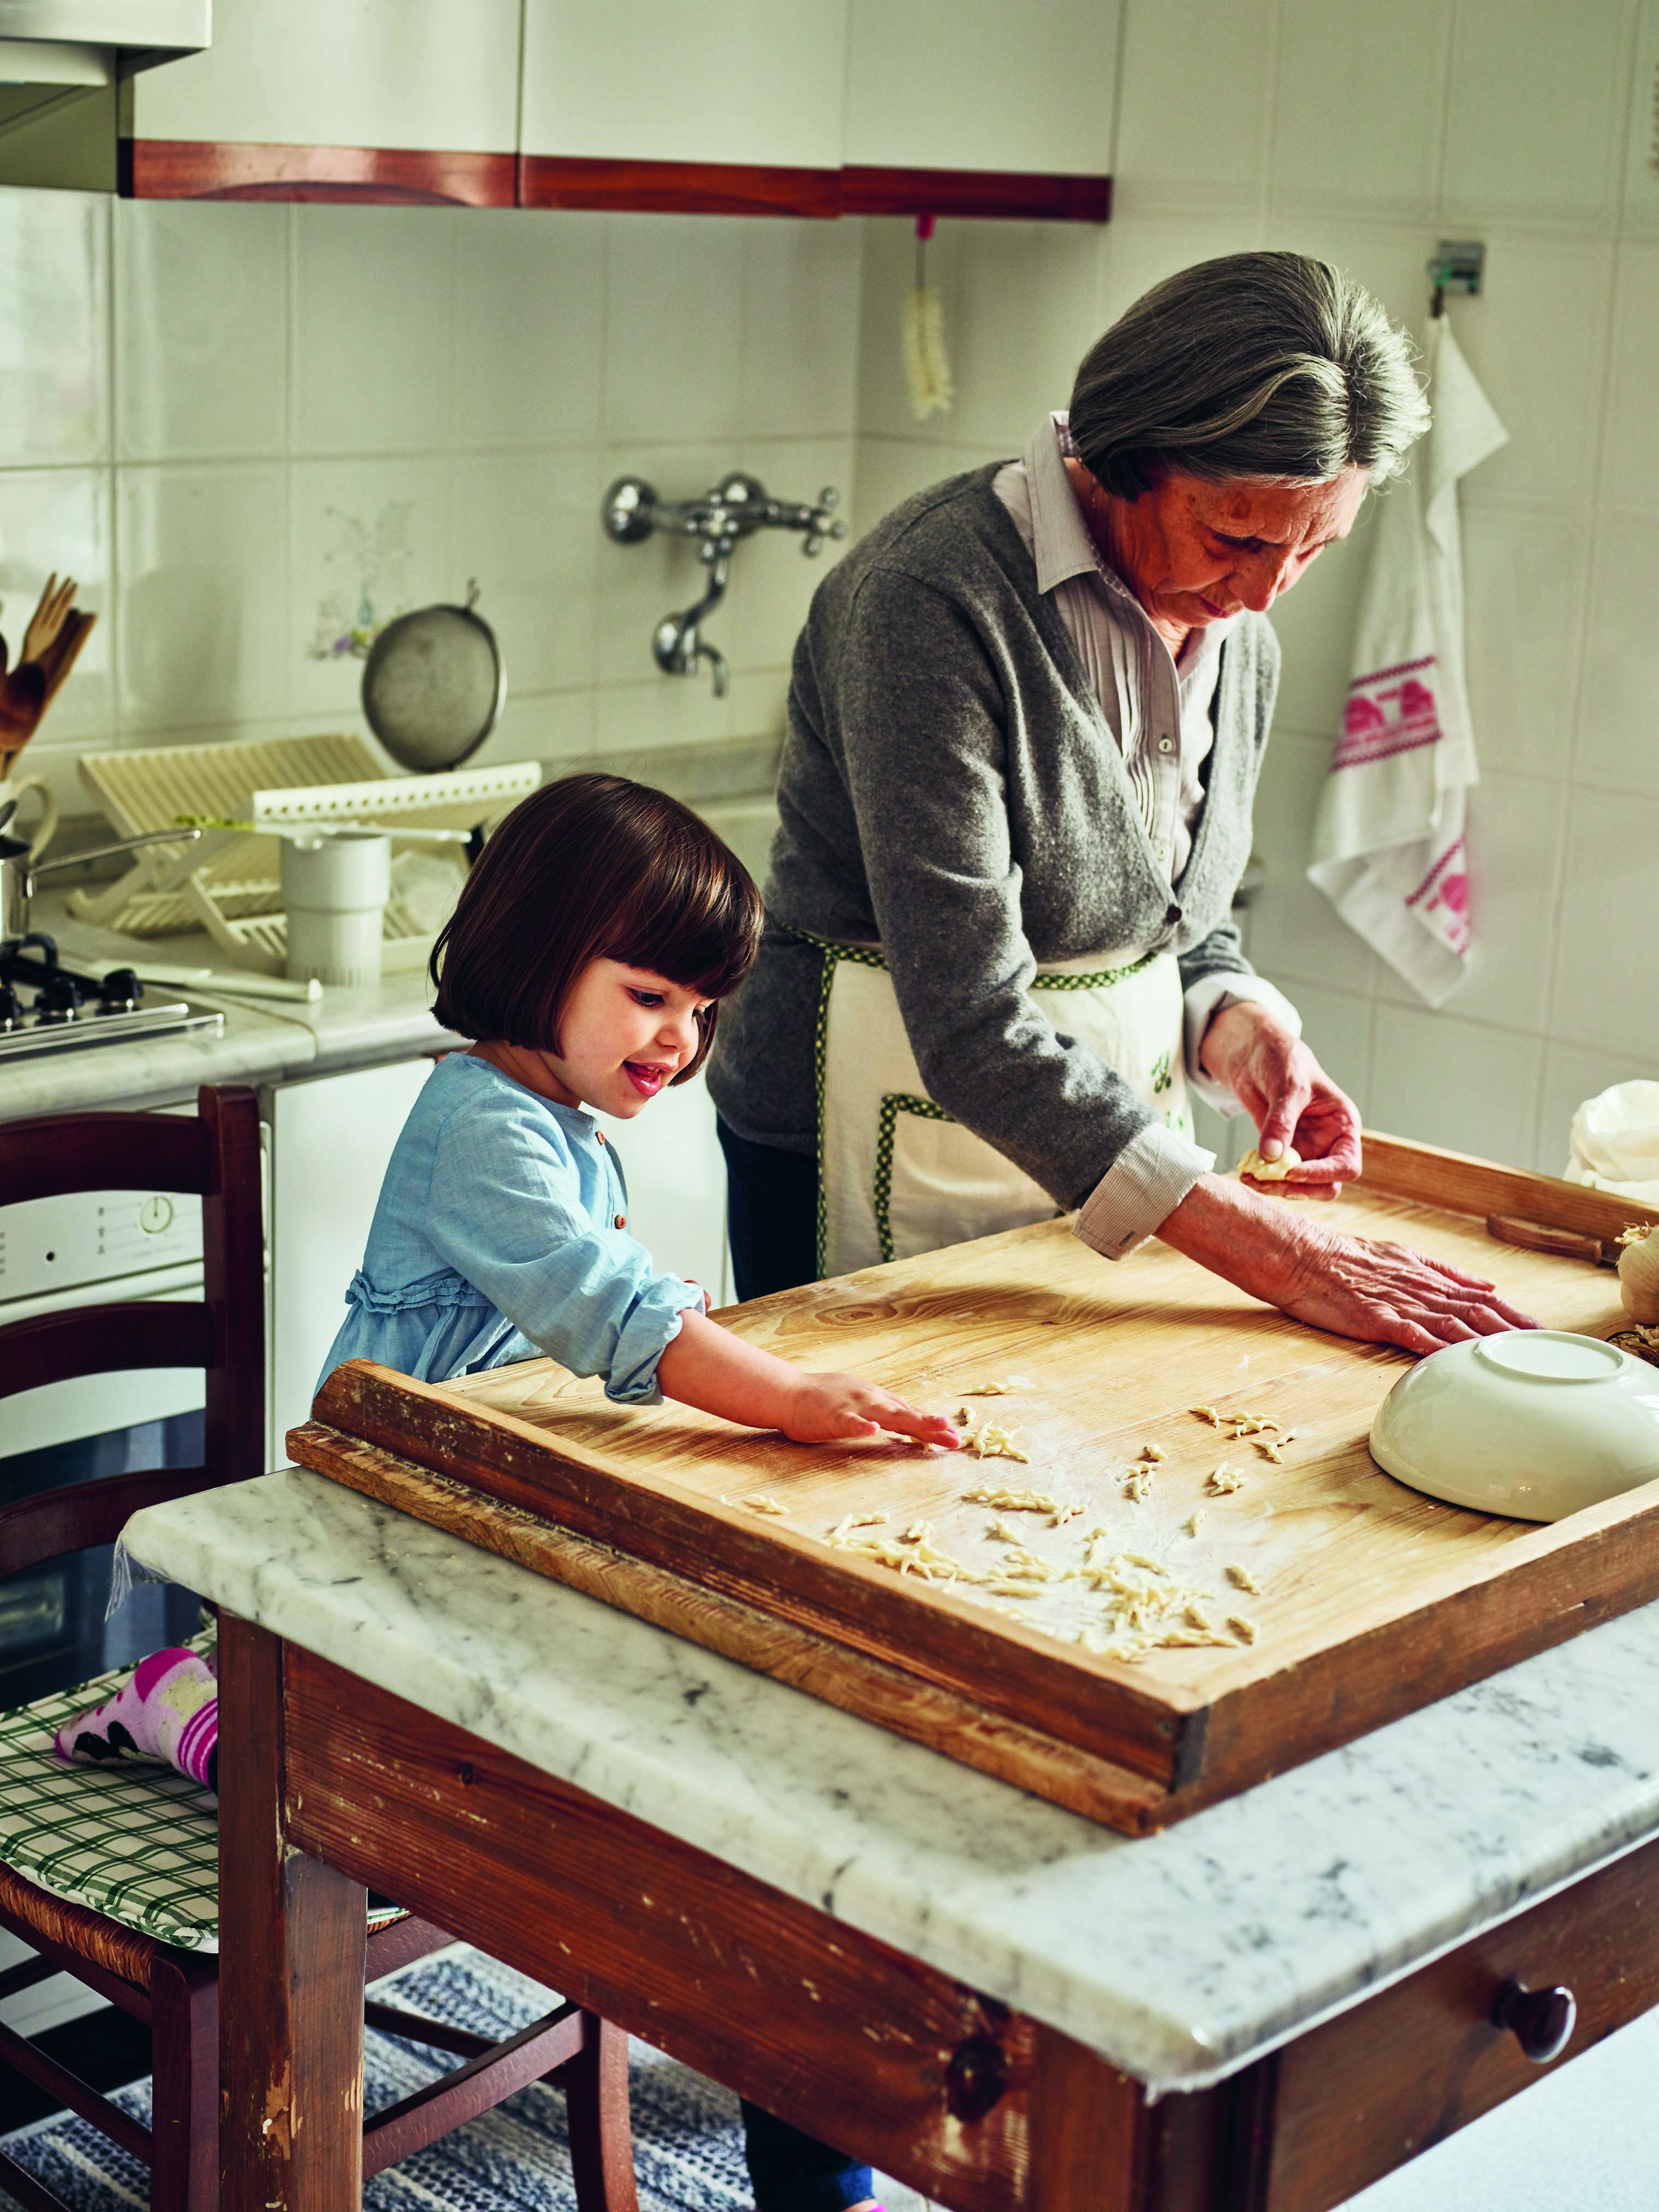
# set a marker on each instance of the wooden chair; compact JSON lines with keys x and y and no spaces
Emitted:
{"x":176,"y":1990}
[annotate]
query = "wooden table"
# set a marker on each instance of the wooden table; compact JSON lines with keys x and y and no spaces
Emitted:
{"x":330,"y":1781}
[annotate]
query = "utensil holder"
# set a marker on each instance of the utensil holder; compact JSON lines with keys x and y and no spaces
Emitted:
{"x":335,"y":890}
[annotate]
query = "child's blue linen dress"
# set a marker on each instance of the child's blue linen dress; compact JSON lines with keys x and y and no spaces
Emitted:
{"x":495,"y":1238}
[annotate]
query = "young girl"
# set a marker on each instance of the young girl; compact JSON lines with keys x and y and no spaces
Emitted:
{"x":596,"y":935}
{"x":588,"y":953}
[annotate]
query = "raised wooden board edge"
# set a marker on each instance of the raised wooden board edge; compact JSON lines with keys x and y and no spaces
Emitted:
{"x":872,"y":1689}
{"x":1400,"y":1167}
{"x":830,"y":1593}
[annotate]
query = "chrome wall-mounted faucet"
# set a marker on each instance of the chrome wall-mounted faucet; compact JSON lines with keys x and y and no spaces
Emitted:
{"x":734,"y":508}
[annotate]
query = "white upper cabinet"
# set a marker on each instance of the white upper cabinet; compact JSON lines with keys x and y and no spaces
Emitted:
{"x":981,"y":84}
{"x":755,"y":82}
{"x":429,"y":75}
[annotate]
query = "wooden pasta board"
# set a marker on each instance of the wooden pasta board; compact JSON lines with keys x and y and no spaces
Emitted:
{"x":1374,"y":1600}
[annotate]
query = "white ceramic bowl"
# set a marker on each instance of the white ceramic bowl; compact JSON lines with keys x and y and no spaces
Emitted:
{"x":1534,"y":1424}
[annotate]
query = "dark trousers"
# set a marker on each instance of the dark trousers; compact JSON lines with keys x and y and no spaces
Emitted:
{"x":772,"y":1222}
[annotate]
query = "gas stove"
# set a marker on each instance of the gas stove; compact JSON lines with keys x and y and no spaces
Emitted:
{"x":45,"y":1007}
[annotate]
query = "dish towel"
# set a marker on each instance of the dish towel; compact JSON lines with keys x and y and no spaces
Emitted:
{"x":1388,"y":844}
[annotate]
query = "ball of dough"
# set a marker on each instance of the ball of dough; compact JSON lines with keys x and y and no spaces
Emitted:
{"x":1260,"y":1171}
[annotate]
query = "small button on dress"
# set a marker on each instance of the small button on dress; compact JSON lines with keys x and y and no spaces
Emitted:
{"x":619,"y":1221}
{"x":599,"y":1136}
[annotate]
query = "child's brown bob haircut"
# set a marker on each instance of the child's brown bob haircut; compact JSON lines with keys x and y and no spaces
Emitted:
{"x":592,"y":867}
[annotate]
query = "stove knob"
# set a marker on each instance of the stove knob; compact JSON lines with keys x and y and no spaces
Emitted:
{"x":59,"y":997}
{"x":11,"y":1008}
{"x":120,"y":991}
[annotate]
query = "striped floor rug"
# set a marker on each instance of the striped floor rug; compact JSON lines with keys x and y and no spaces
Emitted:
{"x":688,"y":2144}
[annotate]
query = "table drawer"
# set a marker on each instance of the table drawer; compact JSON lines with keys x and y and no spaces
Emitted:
{"x":1355,"y":2099}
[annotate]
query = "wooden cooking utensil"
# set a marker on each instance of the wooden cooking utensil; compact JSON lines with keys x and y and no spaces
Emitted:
{"x":1538,"y":1237}
{"x":57,"y":632}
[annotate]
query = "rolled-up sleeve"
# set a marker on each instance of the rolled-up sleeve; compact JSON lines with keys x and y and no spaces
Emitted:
{"x":587,"y":1295}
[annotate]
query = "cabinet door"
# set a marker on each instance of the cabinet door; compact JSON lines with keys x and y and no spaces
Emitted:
{"x":750,"y":81}
{"x":975,"y":84}
{"x":418,"y":74}
{"x":331,"y":1141}
{"x":676,"y":1175}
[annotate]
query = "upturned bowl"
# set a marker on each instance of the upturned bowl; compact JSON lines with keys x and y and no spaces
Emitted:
{"x":1533,"y":1423}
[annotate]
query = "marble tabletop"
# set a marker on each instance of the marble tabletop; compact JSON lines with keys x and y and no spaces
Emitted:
{"x":1181,"y":1956}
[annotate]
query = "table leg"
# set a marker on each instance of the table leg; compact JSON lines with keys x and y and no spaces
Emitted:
{"x":292,"y":1940}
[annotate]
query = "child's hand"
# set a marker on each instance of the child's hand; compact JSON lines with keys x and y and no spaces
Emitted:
{"x":824,"y":1408}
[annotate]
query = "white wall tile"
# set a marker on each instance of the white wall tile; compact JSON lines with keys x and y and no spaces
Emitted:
{"x":370,"y":540}
{"x":1446,"y":1081}
{"x":1630,"y":445}
{"x":201,"y":307}
{"x":1193,"y":109}
{"x":759,"y":703}
{"x":802,"y":285}
{"x":1359,"y":116}
{"x":1026,"y":314}
{"x":54,"y":327}
{"x":529,"y":327}
{"x":1523,"y":584}
{"x":1388,"y":258}
{"x":202,"y":620}
{"x":1336,"y":1026}
{"x":1296,"y":933}
{"x":1140,"y":253}
{"x":772,"y":581}
{"x":1606,"y":982}
{"x":57,"y":520}
{"x":1535,"y":128}
{"x":1639,"y":214}
{"x":662,"y":710}
{"x":674,"y":294}
{"x":1570,"y":1076}
{"x":1619,"y":707}
{"x":545,"y":726}
{"x":373,"y":322}
{"x":1536,"y":337}
{"x":528,"y":528}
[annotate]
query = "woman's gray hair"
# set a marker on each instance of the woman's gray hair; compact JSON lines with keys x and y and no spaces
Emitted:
{"x":1262,"y":365}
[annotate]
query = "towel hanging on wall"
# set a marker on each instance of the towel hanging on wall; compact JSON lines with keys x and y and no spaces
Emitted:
{"x":1388,"y":845}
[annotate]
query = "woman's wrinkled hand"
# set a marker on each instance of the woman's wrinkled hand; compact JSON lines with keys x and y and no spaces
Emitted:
{"x":1382,"y":1293}
{"x":825,"y":1408}
{"x":1289,"y":1096}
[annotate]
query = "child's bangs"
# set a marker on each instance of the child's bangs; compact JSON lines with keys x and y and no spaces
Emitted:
{"x":695,"y":919}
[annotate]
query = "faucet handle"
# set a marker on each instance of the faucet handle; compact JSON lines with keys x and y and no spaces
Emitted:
{"x":820,"y":526}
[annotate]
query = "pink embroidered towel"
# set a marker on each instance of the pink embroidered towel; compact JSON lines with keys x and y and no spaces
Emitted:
{"x":1388,"y":844}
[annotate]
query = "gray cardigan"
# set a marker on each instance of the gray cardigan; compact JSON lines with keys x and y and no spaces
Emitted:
{"x":949,"y":788}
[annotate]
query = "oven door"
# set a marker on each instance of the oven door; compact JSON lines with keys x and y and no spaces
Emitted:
{"x":52,"y":1628}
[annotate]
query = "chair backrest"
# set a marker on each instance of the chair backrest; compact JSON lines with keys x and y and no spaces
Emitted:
{"x":217,"y":1157}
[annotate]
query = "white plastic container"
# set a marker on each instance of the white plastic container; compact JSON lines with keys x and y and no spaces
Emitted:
{"x":334,"y":890}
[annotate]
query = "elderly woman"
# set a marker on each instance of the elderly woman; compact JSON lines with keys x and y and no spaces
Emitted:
{"x":1026,"y":721}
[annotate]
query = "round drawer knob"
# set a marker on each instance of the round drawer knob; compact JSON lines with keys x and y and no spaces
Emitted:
{"x":1540,"y":2021}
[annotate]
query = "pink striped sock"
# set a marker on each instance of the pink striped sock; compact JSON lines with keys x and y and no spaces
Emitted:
{"x":168,"y":1710}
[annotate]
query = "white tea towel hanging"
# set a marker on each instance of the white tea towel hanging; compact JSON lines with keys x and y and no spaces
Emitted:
{"x":1389,"y":844}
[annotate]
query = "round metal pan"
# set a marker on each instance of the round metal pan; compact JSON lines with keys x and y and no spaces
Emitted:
{"x":434,"y":685}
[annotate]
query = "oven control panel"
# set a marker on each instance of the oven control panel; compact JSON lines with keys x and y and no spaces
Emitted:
{"x":94,"y":1237}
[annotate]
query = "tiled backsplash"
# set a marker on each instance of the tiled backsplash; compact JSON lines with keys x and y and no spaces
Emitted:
{"x":249,"y":428}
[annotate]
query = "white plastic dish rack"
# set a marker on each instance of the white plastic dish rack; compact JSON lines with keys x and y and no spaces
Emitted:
{"x":228,"y":881}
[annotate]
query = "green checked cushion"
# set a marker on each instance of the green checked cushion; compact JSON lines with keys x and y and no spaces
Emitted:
{"x":137,"y":1842}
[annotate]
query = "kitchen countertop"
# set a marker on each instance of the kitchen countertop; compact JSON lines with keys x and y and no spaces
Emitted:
{"x":265,"y":1040}
{"x":1181,"y":1956}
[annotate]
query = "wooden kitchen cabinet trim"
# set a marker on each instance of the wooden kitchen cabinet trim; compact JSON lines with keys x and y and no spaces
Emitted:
{"x":193,"y":169}
{"x":1377,"y":2086}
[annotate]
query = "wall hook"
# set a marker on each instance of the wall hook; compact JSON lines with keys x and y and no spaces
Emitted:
{"x":1458,"y":266}
{"x":731,"y":510}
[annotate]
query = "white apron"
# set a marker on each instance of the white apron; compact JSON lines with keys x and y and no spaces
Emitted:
{"x":897,"y":1174}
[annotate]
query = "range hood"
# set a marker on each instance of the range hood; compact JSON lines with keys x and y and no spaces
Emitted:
{"x":62,"y":65}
